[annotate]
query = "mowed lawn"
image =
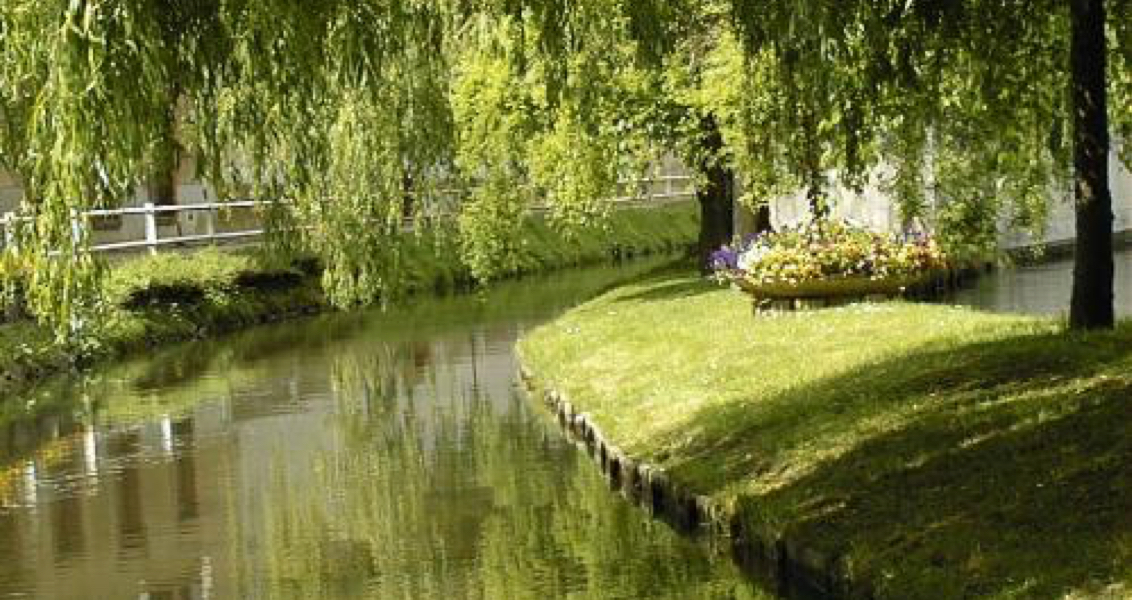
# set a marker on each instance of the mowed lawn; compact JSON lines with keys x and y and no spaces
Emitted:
{"x":943,"y":452}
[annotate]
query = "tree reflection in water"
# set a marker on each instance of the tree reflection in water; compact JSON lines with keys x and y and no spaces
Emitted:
{"x":470,"y":497}
{"x":368,"y":455}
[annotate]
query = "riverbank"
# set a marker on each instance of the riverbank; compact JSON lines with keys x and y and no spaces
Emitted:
{"x":442,"y":481}
{"x":175,"y":297}
{"x":876,"y":451}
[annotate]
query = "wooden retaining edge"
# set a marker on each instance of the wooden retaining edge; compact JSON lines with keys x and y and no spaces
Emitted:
{"x":792,"y":568}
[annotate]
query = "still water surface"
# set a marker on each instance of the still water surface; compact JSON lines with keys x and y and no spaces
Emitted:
{"x":375,"y":455}
{"x":1042,"y":289}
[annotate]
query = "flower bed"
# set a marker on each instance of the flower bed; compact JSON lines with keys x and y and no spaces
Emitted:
{"x":831,"y":260}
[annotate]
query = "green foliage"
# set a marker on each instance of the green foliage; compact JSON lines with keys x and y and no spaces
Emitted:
{"x":354,"y":115}
{"x":172,"y":278}
{"x":156,"y":300}
{"x":541,"y":245}
{"x":83,"y":95}
{"x":533,"y":131}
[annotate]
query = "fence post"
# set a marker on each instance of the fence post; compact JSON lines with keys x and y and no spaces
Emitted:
{"x":8,"y":222}
{"x":210,"y":215}
{"x":210,"y":224}
{"x":150,"y":228}
{"x":644,"y":185}
{"x":76,"y":228}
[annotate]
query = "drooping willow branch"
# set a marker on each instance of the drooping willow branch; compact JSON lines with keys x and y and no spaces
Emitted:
{"x":357,"y":113}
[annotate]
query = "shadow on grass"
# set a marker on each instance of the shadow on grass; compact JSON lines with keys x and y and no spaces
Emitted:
{"x":998,"y":469}
{"x":669,"y":284}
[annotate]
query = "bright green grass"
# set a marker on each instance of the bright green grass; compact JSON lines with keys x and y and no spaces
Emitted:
{"x":948,"y":453}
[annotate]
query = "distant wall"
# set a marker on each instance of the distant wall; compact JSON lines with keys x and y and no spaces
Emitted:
{"x":1061,"y":226}
{"x":10,"y":191}
{"x":876,"y":209}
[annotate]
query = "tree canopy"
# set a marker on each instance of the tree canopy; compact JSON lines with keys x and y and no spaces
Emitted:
{"x":346,"y":114}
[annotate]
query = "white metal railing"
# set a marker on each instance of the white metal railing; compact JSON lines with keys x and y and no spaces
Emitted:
{"x":675,"y":188}
{"x":153,"y":239}
{"x":151,"y":232}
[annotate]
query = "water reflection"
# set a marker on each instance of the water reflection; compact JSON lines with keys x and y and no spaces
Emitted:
{"x":352,"y":456}
{"x":467,"y":501}
{"x":1042,"y":289}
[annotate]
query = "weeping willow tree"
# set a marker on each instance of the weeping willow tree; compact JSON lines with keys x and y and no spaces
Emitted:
{"x":332,"y":111}
{"x":971,"y":114}
{"x":571,"y":102}
{"x":533,"y":130}
{"x":349,"y":116}
{"x":979,"y":110}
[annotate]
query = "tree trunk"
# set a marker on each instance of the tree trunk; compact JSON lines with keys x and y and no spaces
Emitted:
{"x":163,"y":182}
{"x":815,"y":197}
{"x":751,"y":222}
{"x":715,"y":193}
{"x":815,"y":180}
{"x":762,"y":218}
{"x":1092,"y":304}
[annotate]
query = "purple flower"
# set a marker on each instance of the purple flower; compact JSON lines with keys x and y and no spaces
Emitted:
{"x":724,"y":259}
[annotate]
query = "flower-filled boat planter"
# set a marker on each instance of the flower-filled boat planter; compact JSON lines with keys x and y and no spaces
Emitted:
{"x":829,"y":263}
{"x":837,"y":287}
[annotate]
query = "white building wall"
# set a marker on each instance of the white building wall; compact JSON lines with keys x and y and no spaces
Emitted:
{"x":871,"y":208}
{"x":1061,"y":228}
{"x":876,"y":209}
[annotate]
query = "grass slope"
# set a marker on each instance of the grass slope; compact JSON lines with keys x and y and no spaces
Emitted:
{"x":943,"y":452}
{"x":159,"y":299}
{"x":433,"y":262}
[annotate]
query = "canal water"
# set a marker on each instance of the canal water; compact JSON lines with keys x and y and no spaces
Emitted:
{"x":384,"y":455}
{"x":1042,"y":289}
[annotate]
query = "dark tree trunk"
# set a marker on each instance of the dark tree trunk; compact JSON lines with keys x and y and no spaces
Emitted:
{"x":163,"y":182}
{"x":408,"y":196}
{"x":715,"y":193}
{"x":815,"y":196}
{"x":750,"y":222}
{"x":762,"y":218}
{"x":1092,"y":304}
{"x":815,"y":181}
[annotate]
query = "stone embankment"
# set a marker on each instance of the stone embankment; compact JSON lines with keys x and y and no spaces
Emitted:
{"x":789,"y":568}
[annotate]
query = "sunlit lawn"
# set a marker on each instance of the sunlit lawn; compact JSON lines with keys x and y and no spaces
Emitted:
{"x":947,"y":452}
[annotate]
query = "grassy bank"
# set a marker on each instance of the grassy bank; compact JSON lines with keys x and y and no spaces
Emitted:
{"x":160,"y":299}
{"x":937,"y":452}
{"x":174,"y":297}
{"x":433,"y":262}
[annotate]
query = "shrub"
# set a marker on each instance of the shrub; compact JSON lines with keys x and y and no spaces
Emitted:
{"x":174,"y":278}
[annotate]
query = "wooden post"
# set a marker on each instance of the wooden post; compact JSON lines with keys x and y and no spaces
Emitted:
{"x":210,"y":224}
{"x":76,"y":229}
{"x":8,"y":222}
{"x":150,"y":228}
{"x":209,"y":217}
